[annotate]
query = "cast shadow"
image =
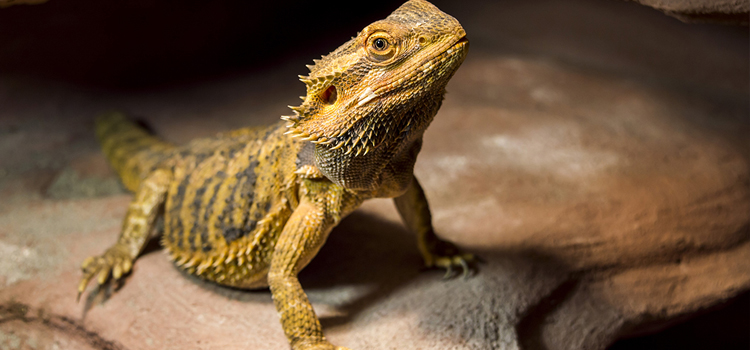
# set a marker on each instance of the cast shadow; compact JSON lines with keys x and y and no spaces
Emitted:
{"x":513,"y":290}
{"x":366,"y":251}
{"x":363,"y":250}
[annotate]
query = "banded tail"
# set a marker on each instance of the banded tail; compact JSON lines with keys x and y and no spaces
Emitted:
{"x":129,"y":148}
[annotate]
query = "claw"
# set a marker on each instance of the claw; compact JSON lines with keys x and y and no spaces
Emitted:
{"x":448,"y":272}
{"x":81,"y":288}
{"x":111,"y":265}
{"x":465,"y":267}
{"x":450,"y":260}
{"x":84,"y":282}
{"x":82,"y":285}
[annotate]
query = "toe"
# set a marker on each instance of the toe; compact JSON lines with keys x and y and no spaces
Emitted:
{"x":127,"y":265}
{"x":86,"y":263}
{"x":117,"y":270}
{"x":102,"y":277}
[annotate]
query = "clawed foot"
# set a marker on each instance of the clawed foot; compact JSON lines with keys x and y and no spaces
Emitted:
{"x":319,"y":346}
{"x":447,"y":256}
{"x":116,"y":261}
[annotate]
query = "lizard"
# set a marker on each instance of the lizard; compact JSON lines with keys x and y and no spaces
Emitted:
{"x":250,"y":208}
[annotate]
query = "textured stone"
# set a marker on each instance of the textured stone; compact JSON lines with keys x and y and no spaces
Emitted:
{"x":88,"y":176}
{"x":600,"y":167}
{"x":721,"y":11}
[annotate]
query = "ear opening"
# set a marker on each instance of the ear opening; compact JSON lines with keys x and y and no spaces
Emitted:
{"x":329,"y":95}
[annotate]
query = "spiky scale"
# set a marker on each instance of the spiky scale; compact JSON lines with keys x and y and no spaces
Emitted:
{"x":252,"y":194}
{"x":339,"y":145}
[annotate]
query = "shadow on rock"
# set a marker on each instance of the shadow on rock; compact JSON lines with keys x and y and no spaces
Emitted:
{"x":503,"y":306}
{"x":374,"y":256}
{"x":100,"y":294}
{"x":362,"y":251}
{"x":370,"y":267}
{"x":500,"y":305}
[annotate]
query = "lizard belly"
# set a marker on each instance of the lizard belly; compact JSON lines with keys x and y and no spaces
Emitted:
{"x":225,"y":209}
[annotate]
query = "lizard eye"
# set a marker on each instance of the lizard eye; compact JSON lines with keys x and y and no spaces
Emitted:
{"x":381,"y":47}
{"x":380,"y":44}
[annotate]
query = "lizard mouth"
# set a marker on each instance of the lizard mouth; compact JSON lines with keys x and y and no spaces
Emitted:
{"x":457,"y":48}
{"x":460,"y":44}
{"x":448,"y":56}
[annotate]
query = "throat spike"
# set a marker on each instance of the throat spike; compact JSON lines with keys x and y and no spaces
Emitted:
{"x":340,"y":144}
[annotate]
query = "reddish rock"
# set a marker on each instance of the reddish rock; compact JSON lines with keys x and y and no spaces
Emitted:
{"x":721,"y":11}
{"x":600,"y":167}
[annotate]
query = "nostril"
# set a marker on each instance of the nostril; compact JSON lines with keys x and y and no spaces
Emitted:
{"x":422,"y":39}
{"x":329,"y":95}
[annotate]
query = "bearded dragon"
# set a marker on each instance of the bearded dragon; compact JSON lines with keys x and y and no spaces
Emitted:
{"x":251,"y":207}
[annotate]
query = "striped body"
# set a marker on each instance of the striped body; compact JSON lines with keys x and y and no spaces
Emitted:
{"x":228,"y":199}
{"x":252,"y":207}
{"x":228,"y":203}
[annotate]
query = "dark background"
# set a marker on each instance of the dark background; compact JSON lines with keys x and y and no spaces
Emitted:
{"x":146,"y":44}
{"x":134,"y":44}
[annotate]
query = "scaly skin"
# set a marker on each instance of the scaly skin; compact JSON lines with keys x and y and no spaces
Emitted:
{"x":252,"y":207}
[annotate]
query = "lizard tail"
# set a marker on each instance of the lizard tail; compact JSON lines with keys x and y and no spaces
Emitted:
{"x":129,"y":148}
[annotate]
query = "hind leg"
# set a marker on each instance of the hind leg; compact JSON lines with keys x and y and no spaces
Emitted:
{"x":139,"y":220}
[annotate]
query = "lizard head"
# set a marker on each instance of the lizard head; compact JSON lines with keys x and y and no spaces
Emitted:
{"x":378,"y":92}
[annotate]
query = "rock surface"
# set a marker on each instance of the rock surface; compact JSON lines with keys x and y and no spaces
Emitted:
{"x":719,"y":11}
{"x":600,"y":167}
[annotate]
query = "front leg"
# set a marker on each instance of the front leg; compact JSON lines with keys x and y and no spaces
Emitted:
{"x":136,"y":227}
{"x":415,"y":212}
{"x":303,"y":235}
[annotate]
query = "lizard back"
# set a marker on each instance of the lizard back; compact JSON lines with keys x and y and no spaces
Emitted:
{"x":228,"y":201}
{"x":252,"y":207}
